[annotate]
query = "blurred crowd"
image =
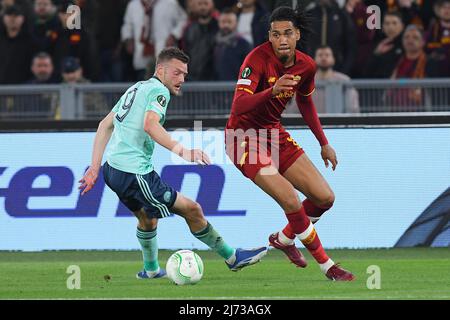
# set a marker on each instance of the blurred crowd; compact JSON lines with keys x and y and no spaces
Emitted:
{"x":118,"y":40}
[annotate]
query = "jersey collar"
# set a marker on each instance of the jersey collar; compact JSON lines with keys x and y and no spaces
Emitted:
{"x":155,"y":77}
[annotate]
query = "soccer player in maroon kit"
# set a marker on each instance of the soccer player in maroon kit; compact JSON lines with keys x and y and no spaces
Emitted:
{"x":264,"y":151}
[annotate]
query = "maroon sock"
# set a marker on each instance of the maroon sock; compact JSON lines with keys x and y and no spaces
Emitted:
{"x":287,"y":231}
{"x":314,"y":246}
{"x":299,"y":223}
{"x":313,"y":210}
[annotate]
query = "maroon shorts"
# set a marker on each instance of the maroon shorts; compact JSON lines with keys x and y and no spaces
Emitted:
{"x":254,"y":150}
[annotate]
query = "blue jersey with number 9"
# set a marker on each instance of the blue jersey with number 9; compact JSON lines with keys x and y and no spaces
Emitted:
{"x":131,"y":148}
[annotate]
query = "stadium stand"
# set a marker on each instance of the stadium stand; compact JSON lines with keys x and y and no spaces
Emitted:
{"x":379,"y":70}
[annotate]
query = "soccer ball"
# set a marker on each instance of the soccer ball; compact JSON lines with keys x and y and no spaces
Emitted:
{"x":184,"y":267}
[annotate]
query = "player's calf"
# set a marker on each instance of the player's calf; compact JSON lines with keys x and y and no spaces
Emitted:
{"x":191,"y":211}
{"x":194,"y":216}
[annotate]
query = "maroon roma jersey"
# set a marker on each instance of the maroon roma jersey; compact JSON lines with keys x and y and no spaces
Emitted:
{"x":259,"y":72}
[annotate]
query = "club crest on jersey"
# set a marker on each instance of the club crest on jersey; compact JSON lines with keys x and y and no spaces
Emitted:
{"x":161,"y":100}
{"x":246,"y":72}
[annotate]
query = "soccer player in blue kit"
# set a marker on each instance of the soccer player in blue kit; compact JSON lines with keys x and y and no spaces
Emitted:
{"x":134,"y":125}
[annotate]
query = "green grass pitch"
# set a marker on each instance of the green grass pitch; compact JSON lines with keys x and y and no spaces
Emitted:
{"x":416,"y":273}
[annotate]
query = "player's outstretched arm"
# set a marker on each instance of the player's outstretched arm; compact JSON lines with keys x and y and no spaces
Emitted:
{"x":309,"y":113}
{"x":163,"y":138}
{"x":102,"y":136}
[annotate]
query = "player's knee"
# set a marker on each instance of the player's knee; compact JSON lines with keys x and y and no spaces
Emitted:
{"x":195,"y":212}
{"x":291,"y":202}
{"x":195,"y":208}
{"x":327,"y":200}
{"x":147,"y":224}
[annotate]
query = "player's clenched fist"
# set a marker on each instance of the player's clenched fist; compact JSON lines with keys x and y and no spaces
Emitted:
{"x":285,"y":83}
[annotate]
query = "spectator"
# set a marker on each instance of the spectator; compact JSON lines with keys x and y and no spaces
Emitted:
{"x":72,"y":73}
{"x":43,"y":73}
{"x":334,"y":28}
{"x":388,"y":51}
{"x":37,"y":104}
{"x":271,"y":5}
{"x":25,"y":7}
{"x":109,"y":21}
{"x":192,"y":10}
{"x":410,"y":10}
{"x":136,"y":35}
{"x":169,"y":20}
{"x":438,"y":47}
{"x":76,"y":43}
{"x":199,"y":41}
{"x":47,"y":26}
{"x":43,"y":70}
{"x":16,"y":47}
{"x":231,"y":49}
{"x":427,"y":11}
{"x":224,"y":4}
{"x":412,"y":65}
{"x":438,"y":41}
{"x":5,"y":4}
{"x":325,"y":62}
{"x":364,"y":37}
{"x":252,"y":22}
